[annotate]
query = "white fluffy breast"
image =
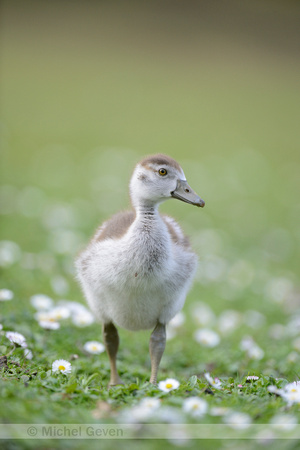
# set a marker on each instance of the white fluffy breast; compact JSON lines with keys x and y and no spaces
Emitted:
{"x":139,"y":279}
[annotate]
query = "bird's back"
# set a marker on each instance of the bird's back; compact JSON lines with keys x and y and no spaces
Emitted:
{"x":115,"y":227}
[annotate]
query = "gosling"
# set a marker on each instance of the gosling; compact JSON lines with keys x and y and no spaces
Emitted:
{"x":137,"y":269}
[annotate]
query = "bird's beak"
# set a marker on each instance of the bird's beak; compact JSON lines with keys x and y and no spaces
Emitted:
{"x":186,"y":194}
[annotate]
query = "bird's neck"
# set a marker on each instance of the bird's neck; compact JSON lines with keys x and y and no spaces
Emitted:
{"x":148,"y":236}
{"x":148,"y":222}
{"x":147,"y":212}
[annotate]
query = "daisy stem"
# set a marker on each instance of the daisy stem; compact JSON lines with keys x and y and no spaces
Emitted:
{"x":12,"y":350}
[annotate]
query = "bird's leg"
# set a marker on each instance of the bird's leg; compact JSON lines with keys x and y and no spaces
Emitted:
{"x":156,"y":346}
{"x":111,"y":342}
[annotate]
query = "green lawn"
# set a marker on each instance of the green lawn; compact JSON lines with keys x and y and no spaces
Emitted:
{"x":80,"y":106}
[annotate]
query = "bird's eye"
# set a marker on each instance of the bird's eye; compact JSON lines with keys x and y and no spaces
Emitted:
{"x":162,"y":172}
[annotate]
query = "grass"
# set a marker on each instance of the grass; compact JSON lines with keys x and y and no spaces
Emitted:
{"x":73,"y":125}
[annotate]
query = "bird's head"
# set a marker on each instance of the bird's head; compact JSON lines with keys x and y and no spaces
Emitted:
{"x":158,"y":178}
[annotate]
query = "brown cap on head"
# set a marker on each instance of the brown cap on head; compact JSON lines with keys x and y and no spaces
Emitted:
{"x":160,"y":160}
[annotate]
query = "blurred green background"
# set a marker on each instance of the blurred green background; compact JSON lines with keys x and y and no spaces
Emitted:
{"x":89,"y":88}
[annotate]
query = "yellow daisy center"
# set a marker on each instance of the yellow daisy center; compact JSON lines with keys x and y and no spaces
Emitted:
{"x":169,"y":385}
{"x":195,"y":406}
{"x":61,"y":368}
{"x":94,"y":347}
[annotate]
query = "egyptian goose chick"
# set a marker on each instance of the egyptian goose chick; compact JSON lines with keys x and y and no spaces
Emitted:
{"x":136,"y":271}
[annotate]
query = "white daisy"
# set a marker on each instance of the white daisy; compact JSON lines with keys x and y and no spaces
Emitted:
{"x":238,"y":420}
{"x":290,"y":393}
{"x":151,"y":403}
{"x":16,"y":338}
{"x":73,"y":307}
{"x":61,"y":365}
{"x":43,"y":316}
{"x":228,"y":321}
{"x":177,"y":320}
{"x":9,"y":253}
{"x":174,"y":324}
{"x":168,"y":414}
{"x":293,"y":385}
{"x":219,"y":411}
{"x":255,"y":352}
{"x":94,"y":347}
{"x":28,"y":353}
{"x":274,"y":390}
{"x":83,"y":319}
{"x":168,"y":385}
{"x":246,"y":343}
{"x":202,"y":314}
{"x":1,"y":326}
{"x":252,"y":378}
{"x":49,"y":325}
{"x":285,"y":422}
{"x":195,"y":406}
{"x":59,"y":313}
{"x":41,"y":302}
{"x":214,"y":382}
{"x":143,"y":411}
{"x":207,"y":338}
{"x":6,"y":294}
